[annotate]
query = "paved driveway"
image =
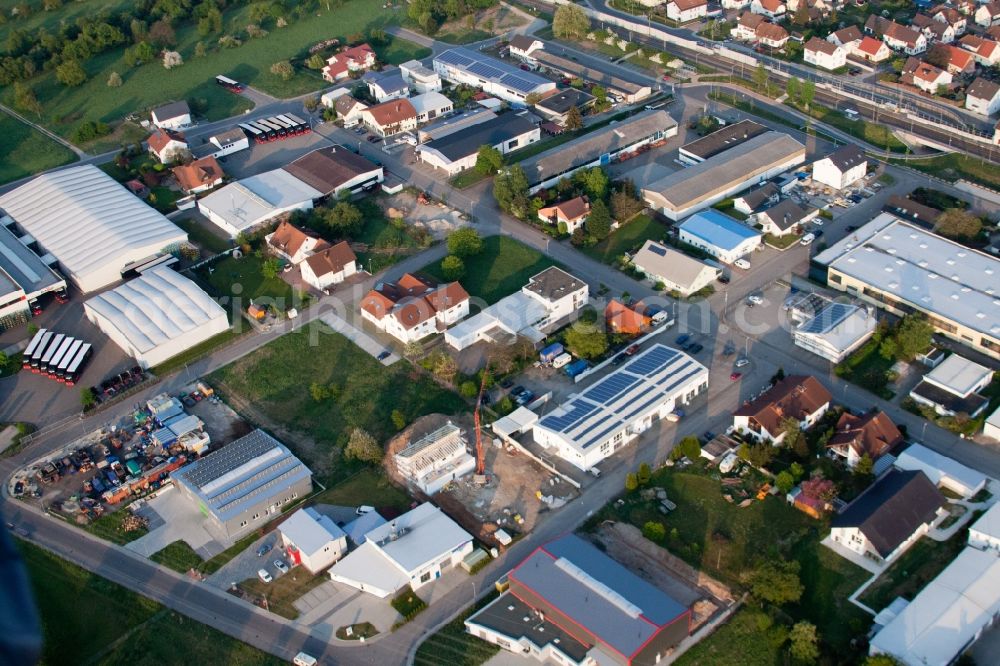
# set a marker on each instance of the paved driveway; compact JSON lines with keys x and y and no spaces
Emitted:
{"x":358,"y":337}
{"x":173,"y":518}
{"x":247,"y":564}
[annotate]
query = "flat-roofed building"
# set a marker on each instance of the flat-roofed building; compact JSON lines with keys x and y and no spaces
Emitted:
{"x":600,"y":147}
{"x":436,"y":459}
{"x":312,"y":540}
{"x":23,"y":277}
{"x":679,"y":193}
{"x":241,"y":486}
{"x":557,"y":107}
{"x":459,"y":150}
{"x":719,"y":141}
{"x":944,"y":472}
{"x":902,"y":268}
{"x":952,"y":387}
{"x":593,"y":425}
{"x":453,"y":123}
{"x":420,"y":78}
{"x":250,"y":202}
{"x":985,"y":532}
{"x":677,"y":271}
{"x":465,"y":66}
{"x":630,"y":91}
{"x":836,"y":331}
{"x":718,"y":234}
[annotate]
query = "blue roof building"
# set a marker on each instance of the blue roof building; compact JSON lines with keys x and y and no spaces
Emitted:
{"x":719,"y":235}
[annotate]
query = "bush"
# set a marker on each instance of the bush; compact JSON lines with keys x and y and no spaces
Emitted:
{"x":452,"y":268}
{"x":465,"y":243}
{"x":90,"y":130}
{"x":283,"y":69}
{"x":468,"y":389}
{"x":654,"y":531}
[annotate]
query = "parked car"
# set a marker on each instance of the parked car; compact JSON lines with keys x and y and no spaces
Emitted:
{"x":384,"y":355}
{"x":264,"y":576}
{"x":264,"y":549}
{"x":740,"y":362}
{"x":807,"y":239}
{"x":632,"y":349}
{"x":723,"y":278}
{"x":742,"y":263}
{"x":682,"y":339}
{"x":735,"y":376}
{"x":618,"y":360}
{"x":524,"y":398}
{"x":518,"y":390}
{"x":708,"y":435}
{"x":756,"y":299}
{"x":505,"y":382}
{"x":281,"y":566}
{"x":695,"y":348}
{"x":62,"y":297}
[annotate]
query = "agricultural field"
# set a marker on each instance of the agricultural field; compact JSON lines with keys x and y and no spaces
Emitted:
{"x":26,"y":151}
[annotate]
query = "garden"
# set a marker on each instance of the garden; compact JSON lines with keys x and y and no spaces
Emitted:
{"x":919,"y":565}
{"x":871,"y":365}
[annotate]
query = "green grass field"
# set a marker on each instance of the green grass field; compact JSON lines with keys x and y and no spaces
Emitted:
{"x":242,"y":277}
{"x":453,"y":645}
{"x":109,"y":528}
{"x":954,"y":166}
{"x":178,"y":556}
{"x":275,"y":379}
{"x":282,"y":592}
{"x":366,"y":487}
{"x":89,"y":620}
{"x":924,"y":560}
{"x":503,"y":267}
{"x":748,"y":638}
{"x":628,"y":238}
{"x":150,"y":85}
{"x":201,"y":235}
{"x":27,"y":151}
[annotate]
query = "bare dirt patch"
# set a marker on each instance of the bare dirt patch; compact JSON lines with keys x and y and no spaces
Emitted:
{"x":437,"y":218}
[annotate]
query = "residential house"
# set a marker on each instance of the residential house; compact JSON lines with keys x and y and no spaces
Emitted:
{"x":757,"y":199}
{"x":746,"y":27}
{"x":573,"y":213}
{"x":872,"y":50}
{"x":934,"y":31}
{"x":949,"y":16}
{"x":411,"y":550}
{"x":817,"y":8}
{"x":985,"y":51}
{"x":199,"y":175}
{"x":889,"y":516}
{"x":960,"y":61}
{"x":872,"y":435}
{"x":389,"y":118}
{"x":988,"y":15}
{"x":983,"y":97}
{"x":414,"y":308}
{"x":522,"y":46}
{"x":431,"y":105}
{"x":684,"y":11}
{"x":293,"y":244}
{"x":349,"y":110}
{"x":173,"y":116}
{"x":953,"y":387}
{"x":824,"y":54}
{"x":352,"y":59}
{"x":168,"y":145}
{"x":797,"y":397}
{"x":422,"y":79}
{"x":785,"y":217}
{"x":720,"y":235}
{"x":897,"y":37}
{"x":772,"y":34}
{"x":623,"y":320}
{"x":735,"y":4}
{"x":841,"y":168}
{"x":557,"y":107}
{"x":435,"y":460}
{"x":387,"y":84}
{"x":772,"y":9}
{"x":312,"y":540}
{"x":848,"y":37}
{"x":924,"y":75}
{"x":329,"y":265}
{"x":675,"y":270}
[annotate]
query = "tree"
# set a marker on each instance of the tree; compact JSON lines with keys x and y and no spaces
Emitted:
{"x":793,"y":87}
{"x":199,"y":50}
{"x":574,"y":120}
{"x":792,"y":429}
{"x":801,"y":16}
{"x":808,"y":93}
{"x":445,"y":368}
{"x":283,"y":69}
{"x":362,"y":446}
{"x":413,"y":349}
{"x":465,"y":242}
{"x":599,"y":220}
{"x":25,"y":100}
{"x":758,"y":455}
{"x":864,"y":466}
{"x":172,"y":59}
{"x":319,"y":392}
{"x":452,"y":268}
{"x":161,"y":34}
{"x":760,"y":78}
{"x":796,"y":470}
{"x":71,"y":74}
{"x":586,"y":341}
{"x":939,"y":55}
{"x":532,"y":99}
{"x":882,"y":660}
{"x":777,"y":582}
{"x":804,"y":645}
{"x":510,"y":189}
{"x":913,"y":336}
{"x":87,"y":399}
{"x":468,"y":389}
{"x":644,"y":473}
{"x":270,"y":268}
{"x":114,"y":80}
{"x":398,"y":419}
{"x":600,"y":94}
{"x":785,"y":482}
{"x":689,"y":447}
{"x":959,"y":224}
{"x":594,"y":182}
{"x":344,"y":219}
{"x":139,"y":54}
{"x":570,"y":21}
{"x":624,"y":206}
{"x":820,"y":488}
{"x":631,"y":482}
{"x":654,"y":531}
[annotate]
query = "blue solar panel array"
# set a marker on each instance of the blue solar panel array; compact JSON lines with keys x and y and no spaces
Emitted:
{"x":581,"y":409}
{"x":492,"y":69}
{"x":652,"y":361}
{"x":828,"y":319}
{"x":607,"y":391}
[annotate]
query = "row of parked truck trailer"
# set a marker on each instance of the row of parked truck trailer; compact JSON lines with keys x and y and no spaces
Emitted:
{"x":275,"y":128}
{"x":57,"y":356}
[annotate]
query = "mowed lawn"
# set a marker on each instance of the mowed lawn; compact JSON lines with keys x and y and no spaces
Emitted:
{"x":150,"y":85}
{"x":275,"y":379}
{"x":628,"y":238}
{"x":502,"y":268}
{"x":243,"y":278}
{"x":83,"y":615}
{"x":26,"y":151}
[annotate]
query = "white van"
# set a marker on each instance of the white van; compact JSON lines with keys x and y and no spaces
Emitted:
{"x":808,"y":239}
{"x":742,"y":263}
{"x":561,"y":360}
{"x":659,"y":317}
{"x":303,"y":659}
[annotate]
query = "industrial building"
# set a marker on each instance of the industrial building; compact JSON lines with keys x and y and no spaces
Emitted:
{"x":902,"y":268}
{"x":944,"y":472}
{"x":248,"y":203}
{"x":719,"y":235}
{"x":570,"y":603}
{"x":630,"y":91}
{"x":557,"y":107}
{"x":953,"y":387}
{"x":460,"y":65}
{"x":459,"y":149}
{"x":435,"y":460}
{"x":677,"y":194}
{"x":600,"y":147}
{"x":241,"y":486}
{"x":719,"y":141}
{"x":335,"y":169}
{"x":312,"y":540}
{"x":157,"y":315}
{"x":23,"y":277}
{"x":110,"y":227}
{"x":677,"y":271}
{"x":413,"y":549}
{"x":836,"y":331}
{"x":592,"y":426}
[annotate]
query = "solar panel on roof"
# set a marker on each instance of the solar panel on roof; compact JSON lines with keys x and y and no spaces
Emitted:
{"x":608,"y":390}
{"x":828,"y":319}
{"x":651,"y":361}
{"x":581,"y":409}
{"x":602,"y":435}
{"x":658,"y":250}
{"x":485,"y":69}
{"x":518,"y":83}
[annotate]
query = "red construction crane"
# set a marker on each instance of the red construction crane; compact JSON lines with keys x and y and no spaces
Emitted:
{"x":480,"y":456}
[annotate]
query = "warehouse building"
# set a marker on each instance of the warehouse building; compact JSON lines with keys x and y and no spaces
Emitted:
{"x":334,"y":169}
{"x":495,"y":77}
{"x":902,"y":268}
{"x":953,"y":387}
{"x":629,"y":91}
{"x":445,"y":126}
{"x":592,"y":426}
{"x":557,"y":107}
{"x":944,"y":472}
{"x":570,"y":603}
{"x":248,"y":203}
{"x":157,"y":315}
{"x":241,"y":486}
{"x":23,"y":277}
{"x":719,"y":141}
{"x":721,"y":236}
{"x":110,"y":227}
{"x":600,"y":147}
{"x":677,"y":194}
{"x":459,"y":150}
